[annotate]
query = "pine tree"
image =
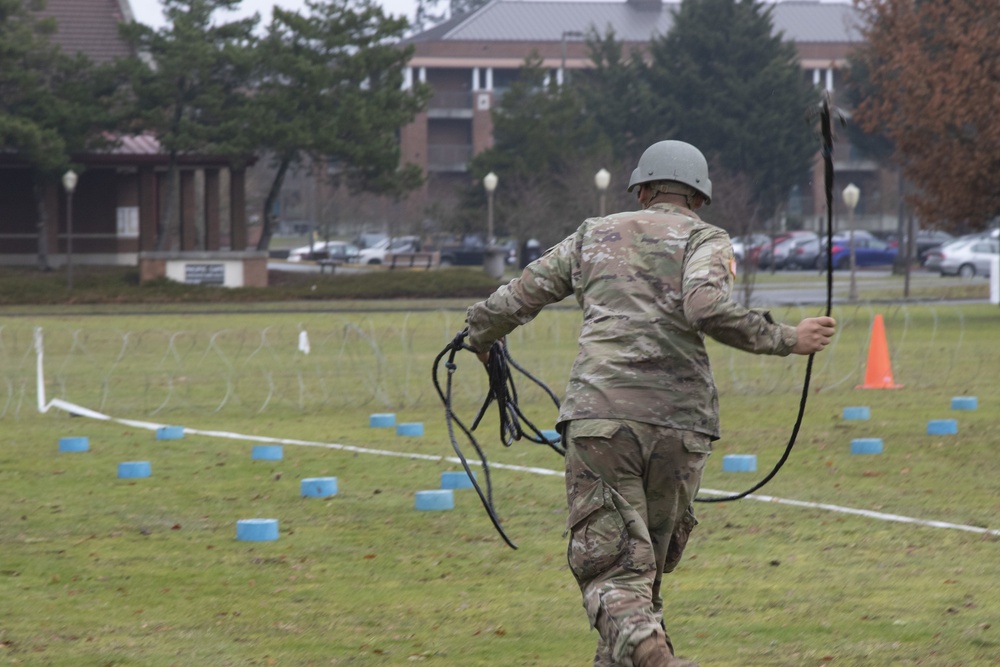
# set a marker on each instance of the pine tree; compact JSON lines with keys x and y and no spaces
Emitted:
{"x":191,"y":90}
{"x":329,"y":88}
{"x":725,"y":82}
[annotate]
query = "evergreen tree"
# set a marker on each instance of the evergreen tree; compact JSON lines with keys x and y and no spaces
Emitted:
{"x":616,"y":94}
{"x":329,"y":91}
{"x":191,"y":89}
{"x":546,"y":151}
{"x":875,"y":144}
{"x":725,"y":82}
{"x":427,"y":14}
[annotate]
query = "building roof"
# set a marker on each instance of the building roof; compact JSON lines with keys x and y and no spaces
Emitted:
{"x":801,"y":21}
{"x":90,"y":27}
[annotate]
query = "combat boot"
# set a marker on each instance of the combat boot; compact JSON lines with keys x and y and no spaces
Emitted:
{"x":653,"y":651}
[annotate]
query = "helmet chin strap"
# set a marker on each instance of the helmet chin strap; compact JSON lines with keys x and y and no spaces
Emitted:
{"x":674,"y":188}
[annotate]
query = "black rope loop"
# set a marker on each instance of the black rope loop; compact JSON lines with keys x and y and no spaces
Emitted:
{"x":514,"y":425}
{"x":826,"y":111}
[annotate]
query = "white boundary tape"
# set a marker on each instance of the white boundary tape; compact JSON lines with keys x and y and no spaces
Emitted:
{"x":72,"y":408}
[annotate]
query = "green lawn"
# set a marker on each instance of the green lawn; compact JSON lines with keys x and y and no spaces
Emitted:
{"x":97,"y":570}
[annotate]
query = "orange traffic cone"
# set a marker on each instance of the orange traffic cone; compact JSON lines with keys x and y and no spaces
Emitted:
{"x":878,"y":374}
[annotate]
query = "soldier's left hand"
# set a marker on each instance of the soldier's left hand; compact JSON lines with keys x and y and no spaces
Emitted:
{"x":814,"y":333}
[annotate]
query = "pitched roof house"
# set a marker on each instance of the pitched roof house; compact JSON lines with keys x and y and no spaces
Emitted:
{"x":117,"y":202}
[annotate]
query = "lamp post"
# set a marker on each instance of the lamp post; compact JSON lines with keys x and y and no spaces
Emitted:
{"x":851,"y":195}
{"x":493,"y":255}
{"x":565,"y":34}
{"x":602,"y":179}
{"x":490,"y":181}
{"x":69,"y":183}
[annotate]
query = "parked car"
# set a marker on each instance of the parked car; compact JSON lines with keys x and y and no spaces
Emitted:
{"x":467,"y":251}
{"x":933,"y":257}
{"x":925,"y":240}
{"x":803,"y":254}
{"x":338,"y":250}
{"x":369,"y":239}
{"x":868,"y":251}
{"x":749,"y":243}
{"x":969,"y":258}
{"x":376,"y":254}
{"x":774,"y":254}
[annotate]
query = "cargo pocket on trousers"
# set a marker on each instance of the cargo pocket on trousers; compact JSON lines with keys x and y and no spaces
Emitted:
{"x":696,"y":443}
{"x":679,"y":540}
{"x":598,"y":536}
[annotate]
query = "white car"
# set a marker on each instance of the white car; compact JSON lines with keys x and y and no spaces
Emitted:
{"x":745,"y":245}
{"x":376,"y":254}
{"x":969,"y":258}
{"x":335,"y":250}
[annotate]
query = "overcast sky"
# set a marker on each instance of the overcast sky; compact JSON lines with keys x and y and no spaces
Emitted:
{"x":148,"y":11}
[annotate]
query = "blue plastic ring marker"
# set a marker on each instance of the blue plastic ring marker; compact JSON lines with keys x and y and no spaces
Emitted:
{"x":318,"y":487}
{"x":170,"y":433}
{"x":964,"y":403}
{"x":456,"y":480}
{"x":134,"y":469}
{"x":267,"y":453}
{"x":942,"y":427}
{"x":382,"y":420}
{"x":859,"y":412}
{"x":257,"y":530}
{"x":866,"y":446}
{"x":411,"y":428}
{"x":443,"y":499}
{"x":739,"y":463}
{"x":74,"y":444}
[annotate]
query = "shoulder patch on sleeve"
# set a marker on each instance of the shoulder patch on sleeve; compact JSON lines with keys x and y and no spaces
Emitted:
{"x":732,"y":266}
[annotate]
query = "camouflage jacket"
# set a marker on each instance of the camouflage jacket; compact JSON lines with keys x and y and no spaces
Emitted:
{"x":651,"y":284}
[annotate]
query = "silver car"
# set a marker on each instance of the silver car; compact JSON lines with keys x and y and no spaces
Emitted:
{"x":969,"y":258}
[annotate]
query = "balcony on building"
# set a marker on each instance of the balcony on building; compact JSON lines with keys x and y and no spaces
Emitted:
{"x":448,"y":104}
{"x":448,"y":157}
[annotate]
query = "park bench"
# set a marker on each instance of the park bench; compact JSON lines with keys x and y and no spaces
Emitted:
{"x":413,"y":260}
{"x":332,"y":264}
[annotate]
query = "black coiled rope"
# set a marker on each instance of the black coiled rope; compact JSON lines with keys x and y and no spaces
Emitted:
{"x":514,"y":425}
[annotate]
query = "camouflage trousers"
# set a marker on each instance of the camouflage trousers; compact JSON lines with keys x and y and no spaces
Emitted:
{"x":630,"y":488}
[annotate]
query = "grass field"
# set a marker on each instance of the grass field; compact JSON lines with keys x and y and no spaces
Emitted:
{"x":96,"y":570}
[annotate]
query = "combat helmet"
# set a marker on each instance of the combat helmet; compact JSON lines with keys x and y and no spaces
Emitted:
{"x":673,"y":161}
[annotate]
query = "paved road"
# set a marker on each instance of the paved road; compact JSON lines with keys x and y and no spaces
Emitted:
{"x":812,"y":289}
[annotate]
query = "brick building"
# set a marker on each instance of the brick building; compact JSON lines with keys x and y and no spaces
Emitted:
{"x":119,"y":196}
{"x":471,"y":60}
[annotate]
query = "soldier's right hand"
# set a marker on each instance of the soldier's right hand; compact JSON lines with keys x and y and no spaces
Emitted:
{"x":814,"y":333}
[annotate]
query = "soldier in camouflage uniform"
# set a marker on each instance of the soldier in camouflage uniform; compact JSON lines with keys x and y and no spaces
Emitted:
{"x":641,"y":408}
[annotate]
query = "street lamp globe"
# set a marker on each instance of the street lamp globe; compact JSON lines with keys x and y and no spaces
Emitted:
{"x":602,"y":179}
{"x":69,"y":181}
{"x":851,"y":195}
{"x":490,"y":181}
